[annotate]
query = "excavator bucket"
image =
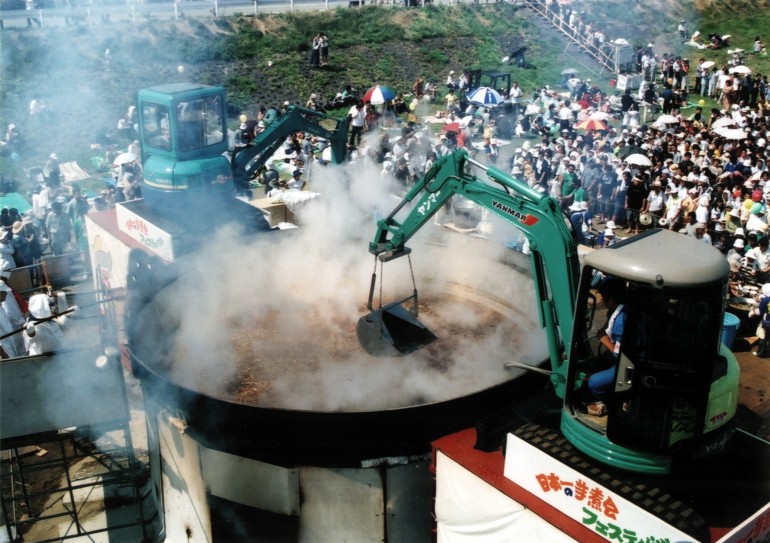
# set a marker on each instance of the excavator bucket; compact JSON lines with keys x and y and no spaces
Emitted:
{"x":392,"y":331}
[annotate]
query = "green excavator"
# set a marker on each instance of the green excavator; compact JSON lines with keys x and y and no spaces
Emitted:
{"x":675,"y":389}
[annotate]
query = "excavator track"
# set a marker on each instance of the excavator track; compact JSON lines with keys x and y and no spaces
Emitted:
{"x":655,"y":500}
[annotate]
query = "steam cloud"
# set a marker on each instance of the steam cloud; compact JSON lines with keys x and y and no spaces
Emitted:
{"x":291,"y":299}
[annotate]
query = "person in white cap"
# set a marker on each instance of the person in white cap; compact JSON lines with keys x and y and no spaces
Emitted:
{"x":311,"y":102}
{"x":451,"y":82}
{"x":735,"y":254}
{"x":43,"y":334}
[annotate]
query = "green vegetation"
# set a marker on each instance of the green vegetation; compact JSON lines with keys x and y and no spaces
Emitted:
{"x":263,"y":60}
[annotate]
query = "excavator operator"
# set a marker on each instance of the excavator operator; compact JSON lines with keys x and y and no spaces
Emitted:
{"x":613,"y":293}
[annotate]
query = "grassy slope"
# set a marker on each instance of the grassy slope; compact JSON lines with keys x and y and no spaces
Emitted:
{"x":369,"y":45}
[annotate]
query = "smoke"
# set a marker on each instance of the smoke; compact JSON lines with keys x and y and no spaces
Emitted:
{"x":271,"y":320}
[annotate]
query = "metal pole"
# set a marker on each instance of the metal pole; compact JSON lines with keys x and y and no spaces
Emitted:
{"x":176,"y":10}
{"x":292,"y":5}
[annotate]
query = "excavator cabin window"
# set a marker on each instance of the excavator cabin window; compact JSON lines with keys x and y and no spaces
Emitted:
{"x":663,"y":368}
{"x":200,"y":123}
{"x":156,"y":128}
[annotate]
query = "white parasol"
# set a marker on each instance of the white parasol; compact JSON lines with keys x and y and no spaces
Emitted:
{"x":731,"y":133}
{"x":638,"y":159}
{"x":124,"y":158}
{"x":740,"y":70}
{"x":708,"y":64}
{"x":666,"y":119}
{"x":722,"y":122}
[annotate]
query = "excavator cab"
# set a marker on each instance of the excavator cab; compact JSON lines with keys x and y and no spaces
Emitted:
{"x":672,"y":388}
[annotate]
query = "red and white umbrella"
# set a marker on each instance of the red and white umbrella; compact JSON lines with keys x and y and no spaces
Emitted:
{"x":379,"y":94}
{"x":592,"y":124}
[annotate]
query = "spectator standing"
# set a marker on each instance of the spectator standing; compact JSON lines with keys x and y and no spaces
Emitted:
{"x":635,"y":197}
{"x":315,"y":51}
{"x":42,"y":336}
{"x":59,"y":227}
{"x":324,"y":46}
{"x":357,"y":114}
{"x":22,"y":254}
{"x":30,"y":6}
{"x":52,"y":171}
{"x":761,"y":267}
{"x":515,"y":95}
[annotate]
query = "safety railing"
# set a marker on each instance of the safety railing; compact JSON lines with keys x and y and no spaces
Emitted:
{"x":562,"y":25}
{"x":98,"y":12}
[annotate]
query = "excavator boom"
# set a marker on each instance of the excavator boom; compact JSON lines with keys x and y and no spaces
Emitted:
{"x":537,"y":215}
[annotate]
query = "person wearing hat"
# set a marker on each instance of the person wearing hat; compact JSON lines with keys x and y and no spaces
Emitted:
{"x":606,"y":237}
{"x":312,"y":102}
{"x":43,"y":334}
{"x":701,"y":234}
{"x":451,"y":82}
{"x":577,"y":219}
{"x":673,"y":209}
{"x":736,"y":255}
{"x":296,"y":182}
{"x":243,"y":135}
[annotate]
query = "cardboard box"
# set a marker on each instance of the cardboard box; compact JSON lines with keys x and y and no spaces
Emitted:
{"x":275,"y":212}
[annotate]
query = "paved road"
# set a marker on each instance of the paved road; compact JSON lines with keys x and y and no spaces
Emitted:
{"x":96,"y":14}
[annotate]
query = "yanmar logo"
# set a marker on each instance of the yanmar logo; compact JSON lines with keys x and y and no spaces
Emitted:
{"x":523,"y":218}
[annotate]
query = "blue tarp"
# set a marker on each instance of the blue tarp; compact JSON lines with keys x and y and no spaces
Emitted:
{"x":14,"y":199}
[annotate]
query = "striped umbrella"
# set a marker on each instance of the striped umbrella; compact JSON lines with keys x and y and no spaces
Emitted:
{"x":484,"y":96}
{"x":379,"y":94}
{"x":592,"y":124}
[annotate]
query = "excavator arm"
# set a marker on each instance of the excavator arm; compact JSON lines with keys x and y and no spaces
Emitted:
{"x":251,"y":158}
{"x":554,"y":254}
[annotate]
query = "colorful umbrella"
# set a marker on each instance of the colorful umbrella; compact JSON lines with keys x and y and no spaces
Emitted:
{"x":484,"y":96}
{"x":379,"y":94}
{"x":451,"y":127}
{"x":592,"y":124}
